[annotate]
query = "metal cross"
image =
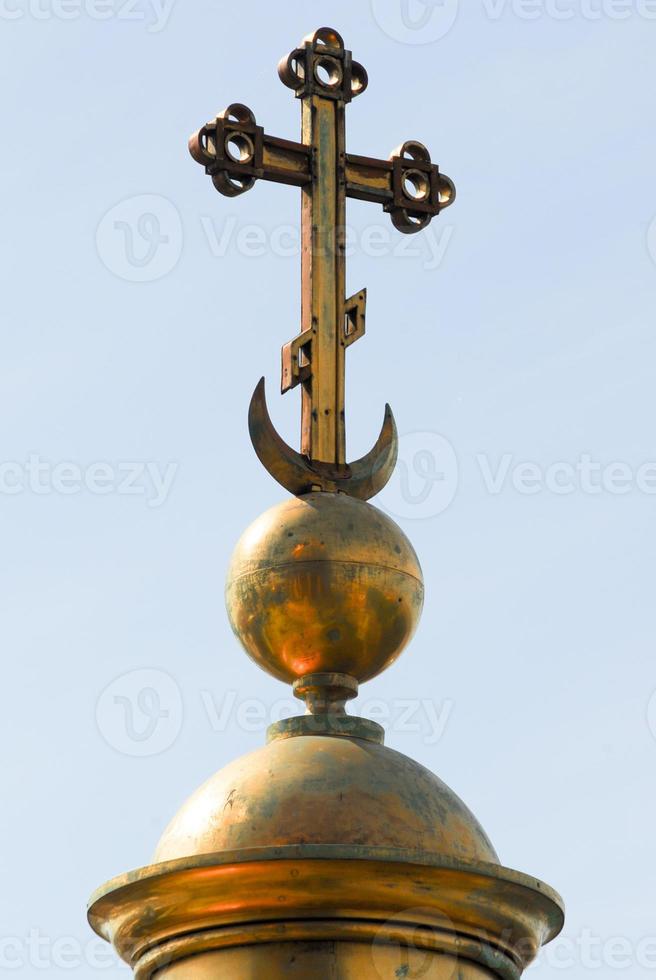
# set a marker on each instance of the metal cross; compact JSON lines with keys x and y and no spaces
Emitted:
{"x":236,"y":152}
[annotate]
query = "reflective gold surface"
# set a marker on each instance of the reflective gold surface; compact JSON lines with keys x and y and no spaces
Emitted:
{"x":236,"y":152}
{"x":324,"y":582}
{"x":318,"y":789}
{"x":324,"y":854}
{"x":325,"y":961}
{"x":321,"y":856}
{"x":362,"y":478}
{"x":480,"y":913}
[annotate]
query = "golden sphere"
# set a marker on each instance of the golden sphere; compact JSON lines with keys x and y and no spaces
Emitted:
{"x":324,"y":583}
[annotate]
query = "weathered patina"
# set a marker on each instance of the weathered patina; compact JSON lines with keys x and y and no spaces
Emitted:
{"x":236,"y":152}
{"x":324,"y":854}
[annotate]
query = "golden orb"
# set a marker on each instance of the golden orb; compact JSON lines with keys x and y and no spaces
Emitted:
{"x":324,"y":583}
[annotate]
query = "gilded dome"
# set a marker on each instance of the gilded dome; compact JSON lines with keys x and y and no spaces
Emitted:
{"x":330,"y":790}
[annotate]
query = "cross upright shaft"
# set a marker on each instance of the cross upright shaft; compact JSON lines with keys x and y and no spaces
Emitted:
{"x":236,"y":152}
{"x":325,"y":78}
{"x":323,"y":218}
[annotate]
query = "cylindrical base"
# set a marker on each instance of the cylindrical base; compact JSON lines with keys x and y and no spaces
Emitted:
{"x":315,"y":960}
{"x":326,"y":911}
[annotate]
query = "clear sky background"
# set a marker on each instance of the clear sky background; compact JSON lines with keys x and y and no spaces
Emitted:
{"x":139,"y":310}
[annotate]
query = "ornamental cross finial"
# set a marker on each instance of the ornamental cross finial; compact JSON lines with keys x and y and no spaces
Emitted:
{"x":236,"y":152}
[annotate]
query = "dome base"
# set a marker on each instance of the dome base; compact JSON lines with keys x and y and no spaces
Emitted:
{"x":307,"y":909}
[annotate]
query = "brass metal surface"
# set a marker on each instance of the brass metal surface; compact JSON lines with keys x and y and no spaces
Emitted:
{"x":236,"y":152}
{"x":324,"y":583}
{"x":482,"y":915}
{"x":326,"y":693}
{"x":347,"y":726}
{"x":324,"y":854}
{"x":331,"y":959}
{"x":364,"y":477}
{"x":321,"y":789}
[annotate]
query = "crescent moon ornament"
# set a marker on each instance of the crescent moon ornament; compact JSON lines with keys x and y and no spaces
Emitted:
{"x":297,"y":473}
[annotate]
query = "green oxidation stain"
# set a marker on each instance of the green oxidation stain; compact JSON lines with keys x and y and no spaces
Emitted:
{"x":403,"y":971}
{"x":259,"y":809}
{"x":397,"y":625}
{"x":277,"y":597}
{"x":334,"y":635}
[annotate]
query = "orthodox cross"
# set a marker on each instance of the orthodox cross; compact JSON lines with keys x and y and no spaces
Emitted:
{"x":236,"y":152}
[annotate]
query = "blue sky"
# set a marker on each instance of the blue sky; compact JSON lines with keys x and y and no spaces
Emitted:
{"x":515,"y":341}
